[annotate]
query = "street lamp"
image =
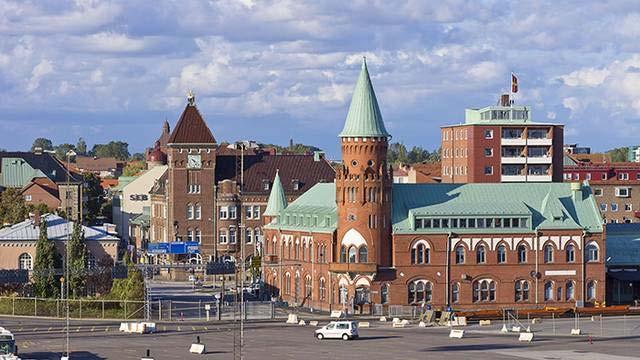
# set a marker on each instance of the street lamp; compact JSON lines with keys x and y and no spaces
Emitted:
{"x":65,"y":279}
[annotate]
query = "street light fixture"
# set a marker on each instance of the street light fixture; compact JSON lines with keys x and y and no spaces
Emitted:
{"x":65,"y":279}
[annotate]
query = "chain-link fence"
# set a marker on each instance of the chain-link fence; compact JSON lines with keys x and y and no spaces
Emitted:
{"x":78,"y":308}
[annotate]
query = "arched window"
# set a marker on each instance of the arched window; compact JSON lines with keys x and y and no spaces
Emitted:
{"x":420,"y":291}
{"x":343,"y":254}
{"x":322,"y":289}
{"x":363,"y":254}
{"x":307,"y":287}
{"x":480,"y":255}
{"x":571,"y":253}
{"x":548,"y":253}
{"x":502,"y":254}
{"x":25,"y":262}
{"x":484,"y":290}
{"x":352,"y":254}
{"x":420,"y":253}
{"x":455,"y":293}
{"x":570,"y":291}
{"x":232,"y":234}
{"x":548,"y":291}
{"x":592,"y":252}
{"x":287,"y":283}
{"x":198,"y":211}
{"x":522,"y":290}
{"x":248,"y":235}
{"x":522,"y":254}
{"x":591,"y":290}
{"x":198,"y":235}
{"x":189,"y":234}
{"x":460,"y":255}
{"x":297,"y":251}
{"x":189,"y":211}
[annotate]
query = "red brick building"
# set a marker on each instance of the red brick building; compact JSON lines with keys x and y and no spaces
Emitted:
{"x":364,"y":243}
{"x":501,"y":144}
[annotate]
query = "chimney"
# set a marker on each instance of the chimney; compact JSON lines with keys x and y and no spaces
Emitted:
{"x":37,"y":150}
{"x":576,"y":191}
{"x":318,"y":155}
{"x":504,"y":100}
{"x":36,"y":218}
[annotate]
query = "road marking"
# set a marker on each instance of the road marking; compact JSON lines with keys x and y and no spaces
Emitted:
{"x":206,"y":328}
{"x":19,"y":330}
{"x":35,"y":329}
{"x":164,"y":328}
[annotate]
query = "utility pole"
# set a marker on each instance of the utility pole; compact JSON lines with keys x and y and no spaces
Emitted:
{"x":69,"y":154}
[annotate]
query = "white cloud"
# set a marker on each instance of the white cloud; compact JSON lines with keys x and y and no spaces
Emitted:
{"x":109,"y":42}
{"x":585,"y":77}
{"x":573,"y":104}
{"x":39,"y":71}
{"x":486,"y":70}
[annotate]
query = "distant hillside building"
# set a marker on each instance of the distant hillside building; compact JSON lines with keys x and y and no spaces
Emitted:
{"x":501,"y":144}
{"x":421,"y":173}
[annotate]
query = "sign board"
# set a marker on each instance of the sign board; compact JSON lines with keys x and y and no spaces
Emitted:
{"x":14,"y":276}
{"x":176,"y":247}
{"x":221,"y":268}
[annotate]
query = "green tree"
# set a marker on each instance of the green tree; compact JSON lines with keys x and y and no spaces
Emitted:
{"x":13,"y":209}
{"x":43,"y":143}
{"x":63,"y":149}
{"x":116,"y":149}
{"x":137,"y":157}
{"x":131,"y":288}
{"x":95,"y":196}
{"x":619,"y":154}
{"x":77,"y":249}
{"x":133,"y":168}
{"x":45,"y":281}
{"x":81,"y":147}
{"x":255,"y":267}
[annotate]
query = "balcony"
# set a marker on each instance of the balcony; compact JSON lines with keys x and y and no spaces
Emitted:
{"x":513,"y":141}
{"x":353,"y":267}
{"x":539,"y":160}
{"x":539,"y":141}
{"x":538,"y":178}
{"x":513,"y":178}
{"x":513,"y":159}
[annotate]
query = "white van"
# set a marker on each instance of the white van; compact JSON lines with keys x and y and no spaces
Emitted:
{"x":345,"y":330}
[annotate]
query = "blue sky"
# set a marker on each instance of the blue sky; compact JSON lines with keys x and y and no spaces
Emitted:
{"x":274,"y":70}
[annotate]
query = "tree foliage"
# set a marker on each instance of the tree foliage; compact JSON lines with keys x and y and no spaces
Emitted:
{"x":137,"y":157}
{"x":77,"y":249}
{"x":45,"y":281}
{"x":13,"y":209}
{"x":116,"y":149}
{"x":133,"y":168}
{"x":95,"y":196}
{"x":619,"y":154}
{"x":398,"y":154}
{"x":292,"y":148}
{"x":81,"y":147}
{"x":63,"y":149}
{"x":43,"y":143}
{"x":131,"y":288}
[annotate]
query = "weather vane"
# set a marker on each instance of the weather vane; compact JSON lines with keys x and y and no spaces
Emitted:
{"x":191,"y":98}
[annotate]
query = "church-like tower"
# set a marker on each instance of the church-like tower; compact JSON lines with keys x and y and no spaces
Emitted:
{"x":363,"y":184}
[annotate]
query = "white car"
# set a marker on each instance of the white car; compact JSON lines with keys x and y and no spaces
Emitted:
{"x":345,"y":330}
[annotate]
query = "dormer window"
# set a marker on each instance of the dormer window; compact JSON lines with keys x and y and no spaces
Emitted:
{"x":296,"y":184}
{"x":265,"y":185}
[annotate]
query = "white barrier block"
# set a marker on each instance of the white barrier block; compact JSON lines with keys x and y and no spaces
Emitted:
{"x":526,"y":336}
{"x":458,"y":334}
{"x":398,"y":324}
{"x":504,"y":329}
{"x":485,"y":322}
{"x":292,"y":319}
{"x":536,"y":321}
{"x":422,"y":324}
{"x":396,"y":320}
{"x":197,"y":349}
{"x":382,"y":319}
{"x":337,"y":314}
{"x":144,"y":358}
{"x":404,"y":322}
{"x":515,"y":329}
{"x":313,"y":323}
{"x":124,"y":326}
{"x":302,"y":323}
{"x":363,"y":324}
{"x":575,"y":332}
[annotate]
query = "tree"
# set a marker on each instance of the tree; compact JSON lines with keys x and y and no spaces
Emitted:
{"x":63,"y":149}
{"x":43,"y":143}
{"x":292,"y":148}
{"x":13,"y":209}
{"x":255,"y":267}
{"x":137,"y":157}
{"x":116,"y":149}
{"x":619,"y":154}
{"x":133,"y":168}
{"x":81,"y":147}
{"x":131,"y":288}
{"x":77,"y":252}
{"x":45,"y":281}
{"x":95,"y":195}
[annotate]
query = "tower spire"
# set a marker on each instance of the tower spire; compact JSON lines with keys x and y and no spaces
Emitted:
{"x":277,"y":198}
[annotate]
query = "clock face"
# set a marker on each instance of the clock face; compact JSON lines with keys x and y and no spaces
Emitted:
{"x":194,"y":162}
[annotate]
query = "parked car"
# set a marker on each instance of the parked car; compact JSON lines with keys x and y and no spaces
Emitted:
{"x":345,"y":330}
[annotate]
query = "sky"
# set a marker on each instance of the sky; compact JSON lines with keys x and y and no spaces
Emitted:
{"x":274,"y":70}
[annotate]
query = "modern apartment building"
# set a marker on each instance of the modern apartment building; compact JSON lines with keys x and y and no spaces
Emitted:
{"x":501,"y":144}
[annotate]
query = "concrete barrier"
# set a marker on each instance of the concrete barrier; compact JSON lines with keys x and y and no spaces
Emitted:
{"x":337,"y":314}
{"x":457,"y":334}
{"x":363,"y":324}
{"x":313,"y":323}
{"x":485,"y":322}
{"x":405,"y":322}
{"x":398,"y":324}
{"x":292,"y":319}
{"x":382,"y":319}
{"x":504,"y":329}
{"x":302,"y":323}
{"x":526,"y":336}
{"x":516,"y":329}
{"x":576,"y":332}
{"x":124,"y":327}
{"x":197,"y":349}
{"x":536,"y":321}
{"x":458,"y":321}
{"x":422,"y":324}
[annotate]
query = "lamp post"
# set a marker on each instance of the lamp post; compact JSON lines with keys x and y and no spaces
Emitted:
{"x":65,"y":280}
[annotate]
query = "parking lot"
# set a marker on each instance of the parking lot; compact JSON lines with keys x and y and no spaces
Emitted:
{"x":44,"y":339}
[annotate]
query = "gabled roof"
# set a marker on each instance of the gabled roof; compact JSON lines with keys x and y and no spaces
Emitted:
{"x":19,"y":167}
{"x":191,"y":129}
{"x":364,"y":118}
{"x":277,"y":198}
{"x":57,"y":229}
{"x":261,"y":168}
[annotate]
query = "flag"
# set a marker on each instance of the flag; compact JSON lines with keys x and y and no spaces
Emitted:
{"x":514,"y":83}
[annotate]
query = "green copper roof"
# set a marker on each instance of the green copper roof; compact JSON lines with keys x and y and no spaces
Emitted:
{"x":542,"y":205}
{"x":364,"y":118}
{"x":568,"y":161}
{"x":314,"y":211}
{"x":277,"y":199}
{"x":16,"y":172}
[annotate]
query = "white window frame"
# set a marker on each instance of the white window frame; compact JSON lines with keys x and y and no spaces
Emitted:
{"x":488,"y":133}
{"x":614,"y":207}
{"x":597,"y":191}
{"x":623,"y":176}
{"x":603,"y":207}
{"x":233,"y":212}
{"x":623,"y":192}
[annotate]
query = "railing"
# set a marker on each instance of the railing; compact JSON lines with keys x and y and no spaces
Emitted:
{"x":78,"y":308}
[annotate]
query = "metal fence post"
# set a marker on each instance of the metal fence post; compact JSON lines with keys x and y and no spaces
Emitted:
{"x":103,"y":309}
{"x":159,"y":310}
{"x":35,"y":306}
{"x":199,"y":309}
{"x":169,"y":310}
{"x":125,"y":309}
{"x":13,"y":306}
{"x":57,"y":308}
{"x":80,"y":308}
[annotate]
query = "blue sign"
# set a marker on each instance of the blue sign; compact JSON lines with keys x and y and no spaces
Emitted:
{"x":176,"y":247}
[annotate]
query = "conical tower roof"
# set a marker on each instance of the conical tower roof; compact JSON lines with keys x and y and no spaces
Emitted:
{"x":191,"y":128}
{"x":364,"y":118}
{"x":277,"y":198}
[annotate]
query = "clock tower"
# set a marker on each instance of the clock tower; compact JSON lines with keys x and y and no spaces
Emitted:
{"x":191,"y":162}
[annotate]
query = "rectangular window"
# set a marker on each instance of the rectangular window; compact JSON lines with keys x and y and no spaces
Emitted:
{"x":427,"y":223}
{"x":603,"y":207}
{"x":247,"y":212}
{"x":622,"y":191}
{"x":576,"y":176}
{"x":232,"y":235}
{"x":256,"y":212}
{"x":471,"y":223}
{"x":623,"y":176}
{"x":604,"y":177}
{"x":567,"y":176}
{"x":481,"y":223}
{"x":614,"y":207}
{"x":628,"y":207}
{"x":233,"y":212}
{"x":222,"y":236}
{"x":224,"y":212}
{"x":27,"y":198}
{"x":587,"y":176}
{"x":488,"y":134}
{"x":488,"y":170}
{"x":597,"y":191}
{"x":488,"y":152}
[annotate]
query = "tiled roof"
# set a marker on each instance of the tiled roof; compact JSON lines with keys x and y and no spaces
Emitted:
{"x":364,"y":118}
{"x":47,"y":164}
{"x":57,"y":229}
{"x":89,"y":163}
{"x":45,"y":184}
{"x":191,"y":129}
{"x":262,"y":167}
